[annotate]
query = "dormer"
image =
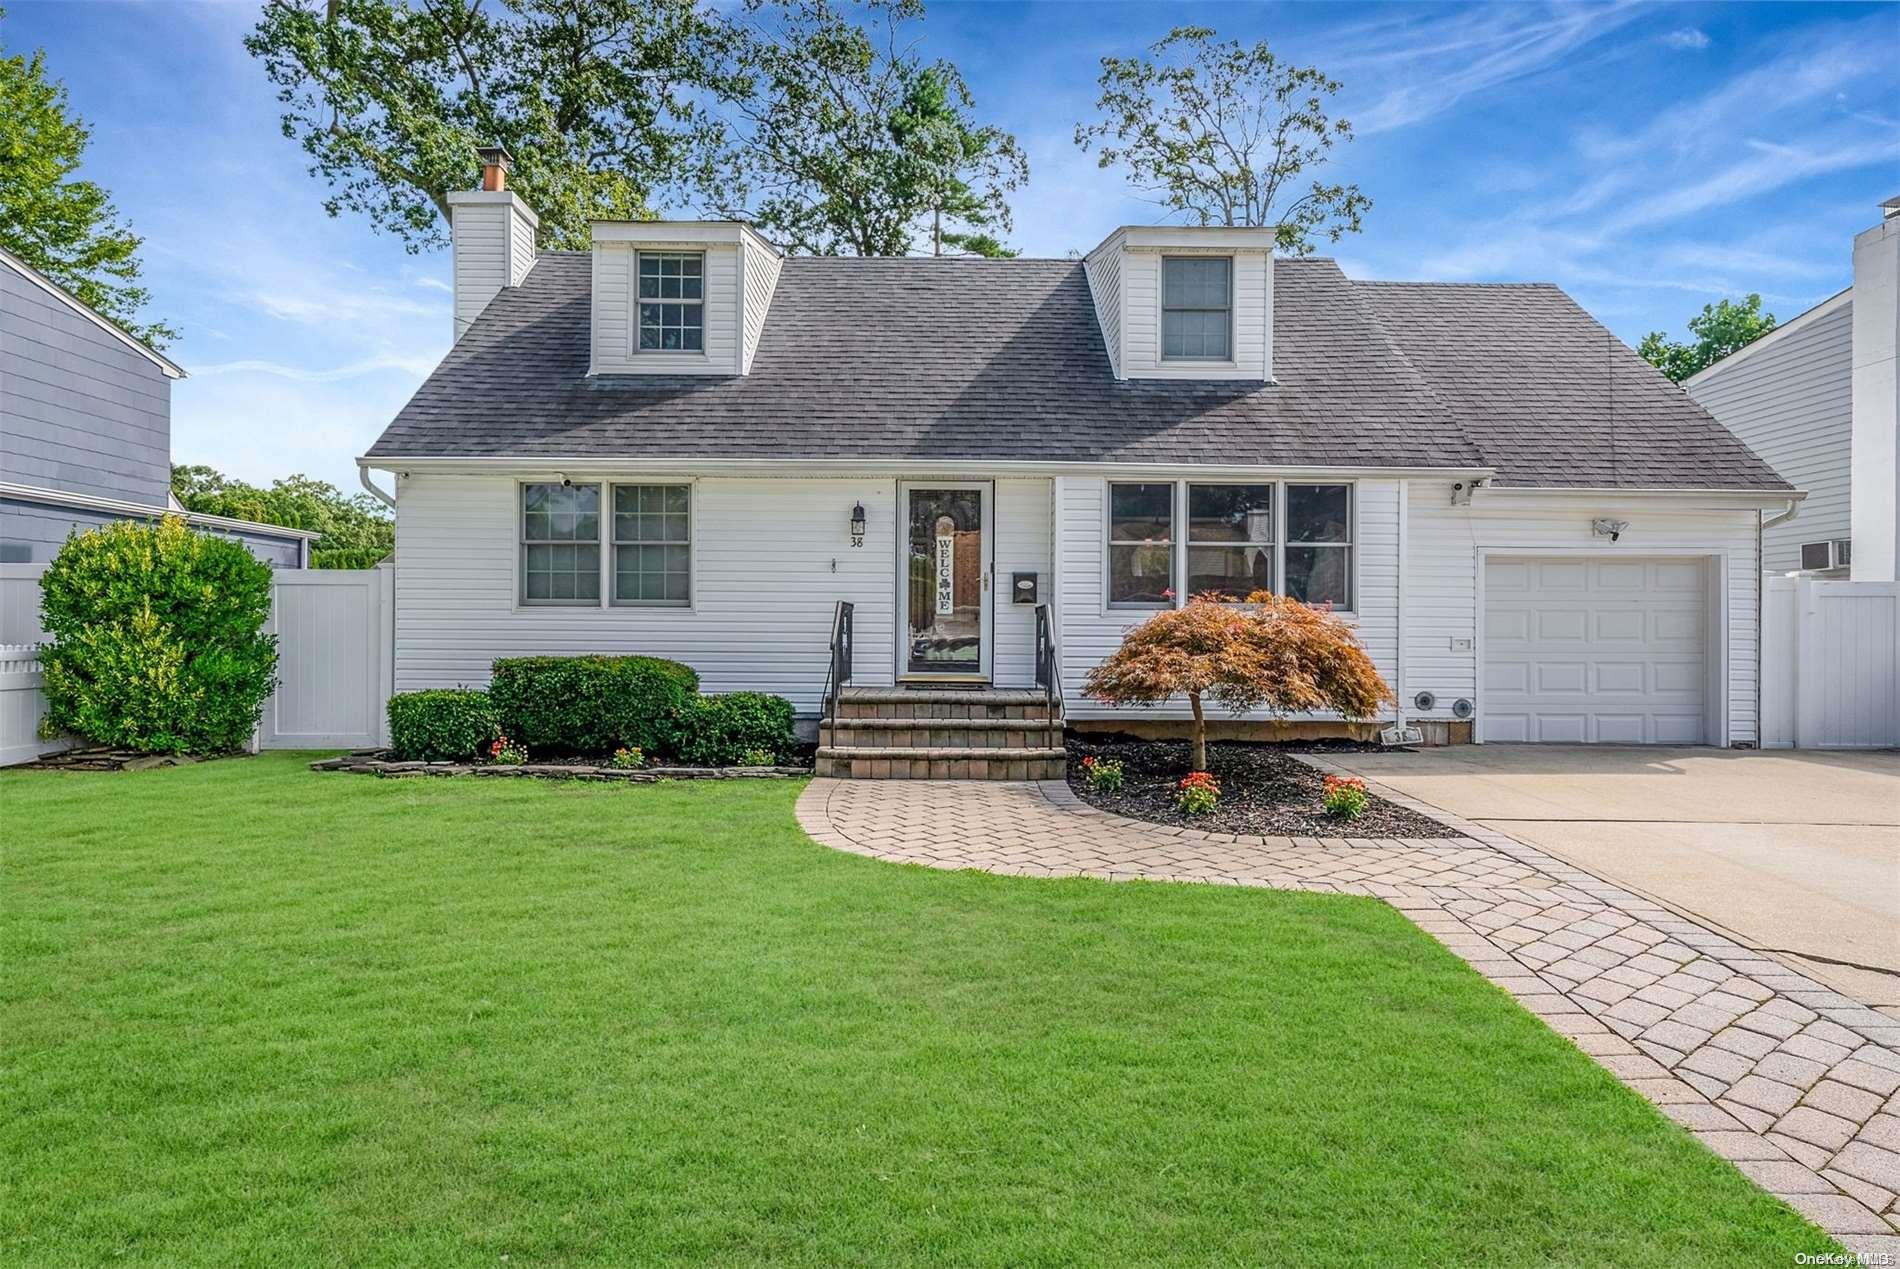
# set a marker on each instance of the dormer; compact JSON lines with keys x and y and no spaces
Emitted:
{"x":1177,"y":302}
{"x":679,"y":297}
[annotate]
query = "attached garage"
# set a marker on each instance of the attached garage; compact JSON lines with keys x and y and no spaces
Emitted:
{"x":1596,"y":650}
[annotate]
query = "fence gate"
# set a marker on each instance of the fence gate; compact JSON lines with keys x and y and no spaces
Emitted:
{"x":333,"y":658}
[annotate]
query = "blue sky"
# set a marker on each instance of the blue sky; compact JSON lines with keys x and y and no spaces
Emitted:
{"x":1647,"y":158}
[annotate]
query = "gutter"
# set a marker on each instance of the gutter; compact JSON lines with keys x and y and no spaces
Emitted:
{"x":115,"y":506}
{"x":1762,"y":524}
{"x":556,"y":465}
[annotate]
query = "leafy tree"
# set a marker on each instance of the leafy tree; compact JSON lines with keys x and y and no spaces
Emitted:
{"x":841,"y":138}
{"x":357,"y":531}
{"x":1720,"y":329}
{"x":68,"y":229}
{"x":1224,"y":133}
{"x":1274,"y":652}
{"x":600,"y":103}
{"x":947,"y":153}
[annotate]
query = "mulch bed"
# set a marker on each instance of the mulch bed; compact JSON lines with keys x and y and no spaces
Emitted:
{"x":1264,"y":791}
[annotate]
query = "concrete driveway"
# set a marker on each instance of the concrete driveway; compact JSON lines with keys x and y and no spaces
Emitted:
{"x":1796,"y":853}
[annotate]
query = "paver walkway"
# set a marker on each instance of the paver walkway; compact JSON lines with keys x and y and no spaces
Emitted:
{"x":1796,"y":1083}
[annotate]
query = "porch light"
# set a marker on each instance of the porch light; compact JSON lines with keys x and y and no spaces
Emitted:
{"x":857,"y":525}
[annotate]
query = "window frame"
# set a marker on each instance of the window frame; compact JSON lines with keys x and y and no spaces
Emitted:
{"x":1275,"y":495}
{"x":1109,"y":545}
{"x":1178,"y":554}
{"x":1164,"y":308}
{"x":613,"y":545}
{"x":700,"y":303}
{"x":604,"y":541}
{"x":523,"y":542}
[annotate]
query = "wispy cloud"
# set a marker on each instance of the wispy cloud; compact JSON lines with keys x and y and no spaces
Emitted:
{"x":1424,"y":66}
{"x":383,"y":363}
{"x":1688,"y":37}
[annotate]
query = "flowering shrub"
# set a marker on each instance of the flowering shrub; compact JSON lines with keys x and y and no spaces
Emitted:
{"x":757,"y":758}
{"x":1104,"y":775}
{"x":1198,"y":792}
{"x":626,"y":759}
{"x":1344,"y":797}
{"x":506,"y":752}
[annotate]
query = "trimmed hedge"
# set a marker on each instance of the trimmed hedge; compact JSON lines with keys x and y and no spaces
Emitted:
{"x":453,"y":724}
{"x":721,"y":730}
{"x":593,"y":705}
{"x":157,"y":639}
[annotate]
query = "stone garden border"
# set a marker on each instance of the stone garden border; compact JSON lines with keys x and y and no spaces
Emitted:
{"x":371,"y":762}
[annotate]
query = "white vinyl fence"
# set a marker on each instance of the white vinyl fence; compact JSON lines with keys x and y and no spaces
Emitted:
{"x":334,"y":660}
{"x":1830,"y":668}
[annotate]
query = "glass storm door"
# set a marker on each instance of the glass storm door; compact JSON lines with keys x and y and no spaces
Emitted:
{"x":944,"y":581}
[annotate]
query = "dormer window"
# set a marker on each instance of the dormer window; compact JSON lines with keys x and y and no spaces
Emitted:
{"x":1197,"y":308}
{"x":672,"y":301}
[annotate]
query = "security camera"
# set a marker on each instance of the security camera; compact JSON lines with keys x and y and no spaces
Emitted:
{"x":566,"y":483}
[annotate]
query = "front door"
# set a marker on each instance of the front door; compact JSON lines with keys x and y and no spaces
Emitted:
{"x":944,"y":582}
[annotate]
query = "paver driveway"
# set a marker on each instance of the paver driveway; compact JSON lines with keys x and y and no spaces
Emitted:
{"x":1793,"y":852}
{"x":1796,"y":1083}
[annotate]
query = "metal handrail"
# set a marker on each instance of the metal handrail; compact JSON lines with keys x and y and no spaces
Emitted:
{"x":840,"y":671}
{"x":1048,"y":675}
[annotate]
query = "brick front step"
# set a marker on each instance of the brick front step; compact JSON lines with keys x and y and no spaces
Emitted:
{"x":940,"y":733}
{"x":915,"y":763}
{"x":945,"y":703}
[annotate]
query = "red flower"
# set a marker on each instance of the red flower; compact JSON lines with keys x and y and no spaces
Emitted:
{"x":1200,"y":780}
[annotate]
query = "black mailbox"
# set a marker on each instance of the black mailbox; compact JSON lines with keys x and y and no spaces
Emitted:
{"x":1022,"y":588}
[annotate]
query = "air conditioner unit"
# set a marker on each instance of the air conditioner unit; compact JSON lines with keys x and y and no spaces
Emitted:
{"x":1818,"y":556}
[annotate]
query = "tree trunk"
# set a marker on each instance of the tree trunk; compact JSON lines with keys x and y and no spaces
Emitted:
{"x":936,"y":231}
{"x":1197,"y":758}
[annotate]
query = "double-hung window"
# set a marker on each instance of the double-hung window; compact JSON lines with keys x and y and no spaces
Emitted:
{"x":560,"y":544}
{"x":1141,"y":544}
{"x":653,"y":545}
{"x":672,"y":301}
{"x":1319,"y":544}
{"x":1197,"y":308}
{"x":1230,"y":539}
{"x":645,"y":543}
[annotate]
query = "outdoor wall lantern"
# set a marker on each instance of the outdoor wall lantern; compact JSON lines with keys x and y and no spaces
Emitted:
{"x":857,"y":525}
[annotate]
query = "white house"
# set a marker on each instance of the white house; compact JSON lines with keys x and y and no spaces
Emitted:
{"x":1816,"y":398}
{"x":681,"y":443}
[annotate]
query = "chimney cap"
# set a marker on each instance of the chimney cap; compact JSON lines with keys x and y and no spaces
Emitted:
{"x":1891,"y":207}
{"x":495,"y":156}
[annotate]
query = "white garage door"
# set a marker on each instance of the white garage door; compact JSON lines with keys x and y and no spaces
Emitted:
{"x":1595,"y":650}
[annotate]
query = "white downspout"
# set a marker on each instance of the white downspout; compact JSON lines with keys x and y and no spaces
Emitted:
{"x":362,"y":475}
{"x":1398,"y":622}
{"x":1762,"y":525}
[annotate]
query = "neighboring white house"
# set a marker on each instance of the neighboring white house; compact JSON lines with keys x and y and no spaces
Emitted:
{"x":680,"y":443}
{"x":1816,"y":398}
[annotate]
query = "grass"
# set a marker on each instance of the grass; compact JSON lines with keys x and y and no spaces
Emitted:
{"x":253,"y":1014}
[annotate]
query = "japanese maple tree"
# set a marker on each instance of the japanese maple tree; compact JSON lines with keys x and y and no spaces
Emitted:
{"x":1274,"y":653}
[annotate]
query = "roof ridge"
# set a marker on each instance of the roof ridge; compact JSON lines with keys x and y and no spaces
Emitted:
{"x":1463,"y":286}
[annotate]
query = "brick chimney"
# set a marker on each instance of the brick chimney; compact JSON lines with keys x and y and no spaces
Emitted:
{"x":492,"y":231}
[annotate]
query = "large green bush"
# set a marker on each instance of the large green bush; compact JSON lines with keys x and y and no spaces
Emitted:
{"x":156,"y":639}
{"x":721,"y":731}
{"x":456,"y":724}
{"x":592,"y":704}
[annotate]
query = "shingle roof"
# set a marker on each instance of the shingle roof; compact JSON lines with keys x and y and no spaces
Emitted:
{"x":952,"y":360}
{"x":1552,"y":398}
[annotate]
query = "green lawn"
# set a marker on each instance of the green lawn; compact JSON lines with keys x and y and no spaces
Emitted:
{"x":252,"y":1014}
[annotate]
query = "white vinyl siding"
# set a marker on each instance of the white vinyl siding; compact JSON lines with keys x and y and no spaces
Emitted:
{"x":771,"y":557}
{"x":1445,"y":544}
{"x":615,"y":337}
{"x":759,"y":265}
{"x":1141,"y":304}
{"x":1103,"y":268}
{"x":494,"y":248}
{"x":1791,"y":401}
